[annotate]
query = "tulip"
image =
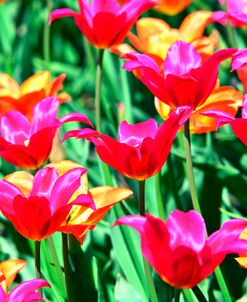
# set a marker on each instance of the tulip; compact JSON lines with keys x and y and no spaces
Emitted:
{"x":185,"y":80}
{"x":26,"y":144}
{"x":179,"y":249}
{"x":23,"y":98}
{"x":172,"y":7}
{"x":155,"y":36}
{"x":24,"y":292}
{"x":105,"y":22}
{"x":141,"y":149}
{"x":80,"y":219}
{"x":39,"y":214}
{"x":235,"y":13}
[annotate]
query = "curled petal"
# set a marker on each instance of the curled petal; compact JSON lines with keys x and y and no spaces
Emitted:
{"x":75,"y":117}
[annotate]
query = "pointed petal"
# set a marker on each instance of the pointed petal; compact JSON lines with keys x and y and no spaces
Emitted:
{"x":75,"y":117}
{"x":60,"y":13}
{"x":64,"y":188}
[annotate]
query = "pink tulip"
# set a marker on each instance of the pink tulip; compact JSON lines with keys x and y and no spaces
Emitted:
{"x":24,"y":292}
{"x":179,"y":249}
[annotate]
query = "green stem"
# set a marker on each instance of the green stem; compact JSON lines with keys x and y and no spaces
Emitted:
{"x":66,"y":267}
{"x":98,"y":90}
{"x":37,"y":259}
{"x":147,"y":268}
{"x":160,"y":204}
{"x":196,"y":205}
{"x":46,"y":41}
{"x":230,"y":30}
{"x":199,"y":294}
{"x":222,"y":285}
{"x":189,"y":166}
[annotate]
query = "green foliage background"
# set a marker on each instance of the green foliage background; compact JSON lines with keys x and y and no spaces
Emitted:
{"x":108,"y":267}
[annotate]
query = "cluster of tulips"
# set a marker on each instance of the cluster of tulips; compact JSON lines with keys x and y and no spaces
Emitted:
{"x":180,"y":68}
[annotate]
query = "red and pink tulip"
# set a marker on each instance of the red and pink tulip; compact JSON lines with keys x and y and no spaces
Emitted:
{"x":179,"y":249}
{"x":105,"y":23}
{"x":40,"y":213}
{"x":141,"y":149}
{"x":185,"y":81}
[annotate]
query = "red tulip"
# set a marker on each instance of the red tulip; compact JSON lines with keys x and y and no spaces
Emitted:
{"x":186,"y":81}
{"x":41,"y":213}
{"x":141,"y":149}
{"x":178,"y":248}
{"x":26,"y":144}
{"x":105,"y":23}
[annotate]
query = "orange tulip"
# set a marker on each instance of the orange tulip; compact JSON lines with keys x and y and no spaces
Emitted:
{"x":79,"y":220}
{"x":24,"y":97}
{"x":172,"y":7}
{"x":223,"y":98}
{"x":155,"y":36}
{"x":8,"y":271}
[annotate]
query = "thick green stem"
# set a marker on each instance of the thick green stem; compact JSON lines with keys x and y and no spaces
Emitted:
{"x":37,"y":259}
{"x":98,"y":90}
{"x":196,"y":205}
{"x":46,"y":41}
{"x":230,"y":30}
{"x":147,"y":268}
{"x":66,"y":267}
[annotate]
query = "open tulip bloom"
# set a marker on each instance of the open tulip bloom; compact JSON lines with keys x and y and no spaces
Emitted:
{"x":41,"y":213}
{"x":141,"y":149}
{"x":179,"y":249}
{"x":105,"y":23}
{"x":185,"y":81}
{"x":28,"y":144}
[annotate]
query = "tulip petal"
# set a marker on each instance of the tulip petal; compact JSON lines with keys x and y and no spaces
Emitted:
{"x":181,"y":58}
{"x":133,"y":135}
{"x":64,"y":188}
{"x":25,"y":291}
{"x":44,"y":114}
{"x":75,"y":117}
{"x":43,"y":182}
{"x":60,"y":13}
{"x":15,"y":128}
{"x":182,"y":230}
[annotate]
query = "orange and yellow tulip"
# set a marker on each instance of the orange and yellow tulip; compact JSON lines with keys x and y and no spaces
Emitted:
{"x":155,"y":36}
{"x":222,"y":98}
{"x":172,"y":7}
{"x":24,"y":97}
{"x":8,"y":271}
